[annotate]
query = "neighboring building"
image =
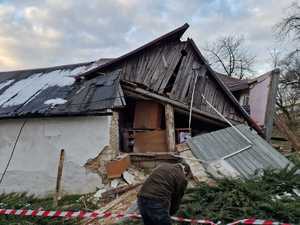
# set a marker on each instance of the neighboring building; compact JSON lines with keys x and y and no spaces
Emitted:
{"x":257,"y":96}
{"x":138,"y":102}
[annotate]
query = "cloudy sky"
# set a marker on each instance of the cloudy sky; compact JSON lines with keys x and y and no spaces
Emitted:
{"x":39,"y":33}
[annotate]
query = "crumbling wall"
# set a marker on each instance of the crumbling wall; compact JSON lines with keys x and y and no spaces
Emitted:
{"x":109,"y":152}
{"x":114,"y":134}
{"x":33,"y":168}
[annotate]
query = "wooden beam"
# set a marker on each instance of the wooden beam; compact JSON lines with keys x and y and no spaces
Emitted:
{"x":270,"y":111}
{"x":141,"y":92}
{"x":170,"y":127}
{"x":58,"y":180}
{"x":280,"y":123}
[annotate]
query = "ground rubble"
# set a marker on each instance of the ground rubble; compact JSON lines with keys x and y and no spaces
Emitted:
{"x":119,"y":195}
{"x":207,"y":197}
{"x":125,"y":174}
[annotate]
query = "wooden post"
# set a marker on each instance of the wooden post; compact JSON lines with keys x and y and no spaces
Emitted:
{"x":271,"y":104}
{"x":58,"y":179}
{"x":170,"y":127}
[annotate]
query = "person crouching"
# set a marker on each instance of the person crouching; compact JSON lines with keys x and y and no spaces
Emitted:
{"x":161,"y":193}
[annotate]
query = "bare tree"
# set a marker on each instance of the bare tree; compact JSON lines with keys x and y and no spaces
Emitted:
{"x":288,"y":95}
{"x":290,"y":25}
{"x":288,"y":98}
{"x":289,"y":86}
{"x":229,"y":55}
{"x":275,"y":56}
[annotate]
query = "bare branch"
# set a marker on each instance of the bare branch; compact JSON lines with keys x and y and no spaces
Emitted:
{"x":228,"y":55}
{"x":290,"y":25}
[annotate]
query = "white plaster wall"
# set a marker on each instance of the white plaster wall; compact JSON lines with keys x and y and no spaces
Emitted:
{"x":33,"y":168}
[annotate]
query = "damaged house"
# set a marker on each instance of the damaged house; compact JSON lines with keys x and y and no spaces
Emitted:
{"x":257,"y":96}
{"x":147,"y":100}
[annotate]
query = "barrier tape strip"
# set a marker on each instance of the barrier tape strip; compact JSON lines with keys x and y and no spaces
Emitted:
{"x":94,"y":215}
{"x":90,"y":215}
{"x":257,"y":222}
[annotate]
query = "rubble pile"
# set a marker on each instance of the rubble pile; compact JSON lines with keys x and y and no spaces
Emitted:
{"x":274,"y":195}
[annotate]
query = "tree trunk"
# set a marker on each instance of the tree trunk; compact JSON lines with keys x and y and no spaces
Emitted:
{"x":280,"y":123}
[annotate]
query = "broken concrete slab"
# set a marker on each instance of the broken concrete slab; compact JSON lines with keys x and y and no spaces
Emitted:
{"x":115,"y":182}
{"x":128,"y":177}
{"x":197,"y":169}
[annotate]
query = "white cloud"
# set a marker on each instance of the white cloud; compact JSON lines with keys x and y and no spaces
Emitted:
{"x":52,"y":32}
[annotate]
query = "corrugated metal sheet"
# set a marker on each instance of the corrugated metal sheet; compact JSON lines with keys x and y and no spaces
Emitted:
{"x":218,"y":144}
{"x":26,"y":93}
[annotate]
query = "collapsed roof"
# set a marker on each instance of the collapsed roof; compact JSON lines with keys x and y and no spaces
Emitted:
{"x":55,"y":92}
{"x":165,"y":66}
{"x":233,"y":84}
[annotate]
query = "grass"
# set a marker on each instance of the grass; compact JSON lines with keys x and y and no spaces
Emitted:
{"x":295,"y":158}
{"x":18,"y":201}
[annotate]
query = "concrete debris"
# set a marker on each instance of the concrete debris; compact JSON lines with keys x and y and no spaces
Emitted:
{"x":114,"y":183}
{"x":99,"y":193}
{"x":198,"y":171}
{"x":128,"y":177}
{"x":127,"y":172}
{"x":138,"y":173}
{"x":97,"y":164}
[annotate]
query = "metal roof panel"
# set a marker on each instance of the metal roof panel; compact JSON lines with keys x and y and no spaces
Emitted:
{"x":219,"y":144}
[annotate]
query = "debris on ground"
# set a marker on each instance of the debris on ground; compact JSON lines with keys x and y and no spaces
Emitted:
{"x":197,"y":169}
{"x":275,"y":194}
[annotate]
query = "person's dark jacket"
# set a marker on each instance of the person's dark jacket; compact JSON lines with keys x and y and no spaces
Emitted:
{"x":167,"y":184}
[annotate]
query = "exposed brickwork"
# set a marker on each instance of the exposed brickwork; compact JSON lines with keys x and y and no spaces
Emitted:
{"x":114,"y":134}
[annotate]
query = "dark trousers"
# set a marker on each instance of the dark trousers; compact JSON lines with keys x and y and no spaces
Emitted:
{"x":154,"y":212}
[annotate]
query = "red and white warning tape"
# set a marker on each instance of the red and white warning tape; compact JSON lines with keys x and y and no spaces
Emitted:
{"x":192,"y":221}
{"x":257,"y":222}
{"x":94,"y":215}
{"x":91,"y":215}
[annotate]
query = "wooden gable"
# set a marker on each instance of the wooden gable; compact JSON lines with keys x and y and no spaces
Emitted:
{"x":170,"y":69}
{"x":167,"y":67}
{"x":193,"y":69}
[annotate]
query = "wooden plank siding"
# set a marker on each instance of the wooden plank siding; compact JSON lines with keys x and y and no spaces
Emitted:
{"x":153,"y":68}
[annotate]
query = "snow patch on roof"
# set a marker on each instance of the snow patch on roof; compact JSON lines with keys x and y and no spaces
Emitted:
{"x":5,"y":83}
{"x":55,"y":101}
{"x":27,"y":89}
